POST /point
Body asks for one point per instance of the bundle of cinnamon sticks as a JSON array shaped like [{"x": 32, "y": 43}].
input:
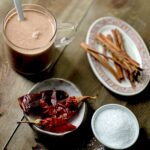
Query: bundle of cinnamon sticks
[{"x": 124, "y": 64}]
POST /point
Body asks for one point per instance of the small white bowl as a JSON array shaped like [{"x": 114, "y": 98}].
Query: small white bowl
[
  {"x": 108, "y": 120},
  {"x": 72, "y": 90}
]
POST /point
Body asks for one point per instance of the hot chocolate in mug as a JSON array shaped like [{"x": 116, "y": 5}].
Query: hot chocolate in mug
[{"x": 29, "y": 41}]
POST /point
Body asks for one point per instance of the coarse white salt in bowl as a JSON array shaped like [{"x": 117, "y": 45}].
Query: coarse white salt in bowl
[{"x": 115, "y": 126}]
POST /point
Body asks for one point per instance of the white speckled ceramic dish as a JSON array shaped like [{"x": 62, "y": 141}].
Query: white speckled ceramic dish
[
  {"x": 71, "y": 89},
  {"x": 134, "y": 46}
]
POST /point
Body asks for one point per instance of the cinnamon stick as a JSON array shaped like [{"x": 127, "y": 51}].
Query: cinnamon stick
[
  {"x": 116, "y": 51},
  {"x": 100, "y": 59},
  {"x": 125, "y": 61},
  {"x": 119, "y": 39},
  {"x": 119, "y": 42},
  {"x": 116, "y": 41},
  {"x": 123, "y": 53},
  {"x": 104, "y": 56},
  {"x": 118, "y": 68}
]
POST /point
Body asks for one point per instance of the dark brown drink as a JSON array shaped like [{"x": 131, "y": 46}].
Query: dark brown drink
[{"x": 29, "y": 41}]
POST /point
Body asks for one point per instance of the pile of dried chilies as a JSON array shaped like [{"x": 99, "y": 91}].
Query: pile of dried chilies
[
  {"x": 115, "y": 45},
  {"x": 53, "y": 115}
]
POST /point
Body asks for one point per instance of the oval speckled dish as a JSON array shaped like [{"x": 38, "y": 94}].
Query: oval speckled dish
[
  {"x": 71, "y": 89},
  {"x": 134, "y": 46}
]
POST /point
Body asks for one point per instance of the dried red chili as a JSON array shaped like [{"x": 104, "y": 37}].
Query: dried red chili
[
  {"x": 30, "y": 102},
  {"x": 54, "y": 114},
  {"x": 56, "y": 125},
  {"x": 60, "y": 110},
  {"x": 62, "y": 128}
]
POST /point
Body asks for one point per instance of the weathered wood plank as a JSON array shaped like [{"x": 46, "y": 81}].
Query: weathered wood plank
[
  {"x": 13, "y": 85},
  {"x": 73, "y": 65}
]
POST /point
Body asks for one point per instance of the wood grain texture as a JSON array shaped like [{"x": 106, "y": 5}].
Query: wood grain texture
[
  {"x": 73, "y": 65},
  {"x": 13, "y": 85}
]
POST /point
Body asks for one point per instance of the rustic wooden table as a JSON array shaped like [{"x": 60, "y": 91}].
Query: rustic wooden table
[{"x": 71, "y": 63}]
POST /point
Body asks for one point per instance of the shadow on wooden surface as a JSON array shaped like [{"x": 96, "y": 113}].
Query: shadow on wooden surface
[
  {"x": 141, "y": 97},
  {"x": 143, "y": 143}
]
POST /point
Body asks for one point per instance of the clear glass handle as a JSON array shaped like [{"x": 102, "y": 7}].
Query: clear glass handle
[{"x": 65, "y": 34}]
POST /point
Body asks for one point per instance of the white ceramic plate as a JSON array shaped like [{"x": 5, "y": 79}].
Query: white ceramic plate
[
  {"x": 134, "y": 46},
  {"x": 67, "y": 86}
]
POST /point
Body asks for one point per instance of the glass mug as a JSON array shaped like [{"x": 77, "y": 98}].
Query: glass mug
[{"x": 29, "y": 60}]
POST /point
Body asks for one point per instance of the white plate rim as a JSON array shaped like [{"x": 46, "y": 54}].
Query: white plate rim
[
  {"x": 83, "y": 106},
  {"x": 125, "y": 27}
]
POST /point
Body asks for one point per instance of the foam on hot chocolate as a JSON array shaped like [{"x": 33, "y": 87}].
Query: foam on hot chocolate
[{"x": 35, "y": 31}]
